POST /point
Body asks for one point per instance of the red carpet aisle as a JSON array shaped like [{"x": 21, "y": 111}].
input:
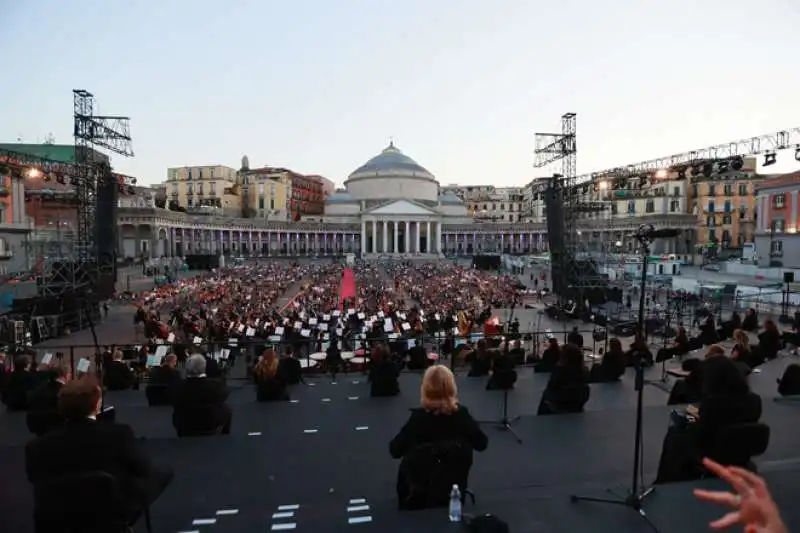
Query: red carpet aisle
[{"x": 348, "y": 287}]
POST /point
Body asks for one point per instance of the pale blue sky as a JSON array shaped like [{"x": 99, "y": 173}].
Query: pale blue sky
[{"x": 462, "y": 85}]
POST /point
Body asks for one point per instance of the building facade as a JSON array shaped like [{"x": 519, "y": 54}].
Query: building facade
[
  {"x": 212, "y": 186},
  {"x": 266, "y": 192},
  {"x": 390, "y": 205},
  {"x": 307, "y": 196},
  {"x": 487, "y": 203},
  {"x": 776, "y": 238}
]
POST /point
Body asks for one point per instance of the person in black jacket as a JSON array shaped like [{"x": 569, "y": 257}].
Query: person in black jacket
[
  {"x": 289, "y": 367},
  {"x": 480, "y": 361},
  {"x": 550, "y": 356},
  {"x": 568, "y": 387},
  {"x": 43, "y": 415},
  {"x": 383, "y": 373},
  {"x": 86, "y": 445},
  {"x": 611, "y": 366},
  {"x": 270, "y": 384},
  {"x": 439, "y": 422},
  {"x": 769, "y": 340},
  {"x": 199, "y": 405},
  {"x": 575, "y": 337},
  {"x": 117, "y": 375},
  {"x": 19, "y": 383},
  {"x": 164, "y": 381}
]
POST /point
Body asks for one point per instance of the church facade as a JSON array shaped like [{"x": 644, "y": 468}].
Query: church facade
[{"x": 390, "y": 205}]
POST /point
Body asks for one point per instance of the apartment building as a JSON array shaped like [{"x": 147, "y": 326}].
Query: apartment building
[
  {"x": 266, "y": 193},
  {"x": 487, "y": 203},
  {"x": 211, "y": 187},
  {"x": 776, "y": 238}
]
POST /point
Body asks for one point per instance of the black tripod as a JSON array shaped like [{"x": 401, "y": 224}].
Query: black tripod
[
  {"x": 637, "y": 495},
  {"x": 504, "y": 424}
]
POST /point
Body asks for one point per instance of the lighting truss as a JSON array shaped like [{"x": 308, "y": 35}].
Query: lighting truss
[
  {"x": 767, "y": 144},
  {"x": 91, "y": 131}
]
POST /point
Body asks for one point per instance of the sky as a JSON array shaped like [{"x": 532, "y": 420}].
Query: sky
[{"x": 320, "y": 86}]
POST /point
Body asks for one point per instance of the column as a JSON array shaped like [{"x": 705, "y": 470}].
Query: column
[
  {"x": 395, "y": 224},
  {"x": 408, "y": 236},
  {"x": 419, "y": 227},
  {"x": 374, "y": 236},
  {"x": 439, "y": 237},
  {"x": 428, "y": 239},
  {"x": 363, "y": 236},
  {"x": 385, "y": 243},
  {"x": 762, "y": 213}
]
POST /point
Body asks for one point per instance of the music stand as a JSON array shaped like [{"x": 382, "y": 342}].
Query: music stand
[{"x": 637, "y": 495}]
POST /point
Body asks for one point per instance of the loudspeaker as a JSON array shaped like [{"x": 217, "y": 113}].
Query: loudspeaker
[
  {"x": 554, "y": 211},
  {"x": 106, "y": 233},
  {"x": 788, "y": 277}
]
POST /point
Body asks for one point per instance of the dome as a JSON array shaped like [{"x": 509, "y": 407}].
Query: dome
[
  {"x": 391, "y": 161},
  {"x": 449, "y": 198},
  {"x": 341, "y": 197}
]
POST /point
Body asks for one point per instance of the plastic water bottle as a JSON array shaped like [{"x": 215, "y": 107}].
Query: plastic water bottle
[{"x": 455, "y": 505}]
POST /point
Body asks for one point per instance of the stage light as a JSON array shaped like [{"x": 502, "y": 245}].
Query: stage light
[
  {"x": 770, "y": 159},
  {"x": 681, "y": 173},
  {"x": 708, "y": 169},
  {"x": 796, "y": 154},
  {"x": 33, "y": 173},
  {"x": 661, "y": 173},
  {"x": 602, "y": 185},
  {"x": 737, "y": 163}
]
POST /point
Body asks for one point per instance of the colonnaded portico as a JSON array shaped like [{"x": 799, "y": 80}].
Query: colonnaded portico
[{"x": 387, "y": 236}]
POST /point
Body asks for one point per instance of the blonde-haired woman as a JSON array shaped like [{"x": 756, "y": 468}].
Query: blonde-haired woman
[
  {"x": 270, "y": 384},
  {"x": 441, "y": 417}
]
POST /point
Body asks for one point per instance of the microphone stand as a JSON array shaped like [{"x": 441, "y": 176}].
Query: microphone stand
[
  {"x": 637, "y": 494},
  {"x": 99, "y": 366}
]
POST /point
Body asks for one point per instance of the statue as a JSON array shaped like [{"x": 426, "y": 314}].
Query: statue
[{"x": 245, "y": 163}]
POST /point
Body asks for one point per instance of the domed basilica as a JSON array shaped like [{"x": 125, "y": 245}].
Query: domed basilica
[{"x": 399, "y": 205}]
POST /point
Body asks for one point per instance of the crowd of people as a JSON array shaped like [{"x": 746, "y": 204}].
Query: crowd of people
[{"x": 195, "y": 328}]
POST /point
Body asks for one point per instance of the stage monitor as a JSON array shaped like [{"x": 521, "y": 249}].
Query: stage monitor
[{"x": 486, "y": 262}]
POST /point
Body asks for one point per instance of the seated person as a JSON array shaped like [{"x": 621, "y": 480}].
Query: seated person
[
  {"x": 43, "y": 414},
  {"x": 383, "y": 373},
  {"x": 769, "y": 340},
  {"x": 166, "y": 376},
  {"x": 418, "y": 358},
  {"x": 503, "y": 376},
  {"x": 726, "y": 401},
  {"x": 290, "y": 368},
  {"x": 575, "y": 337},
  {"x": 481, "y": 361},
  {"x": 708, "y": 331},
  {"x": 19, "y": 383},
  {"x": 117, "y": 375},
  {"x": 690, "y": 388},
  {"x": 270, "y": 384},
  {"x": 87, "y": 445},
  {"x": 550, "y": 357},
  {"x": 745, "y": 357},
  {"x": 750, "y": 322},
  {"x": 213, "y": 370},
  {"x": 612, "y": 365},
  {"x": 199, "y": 403},
  {"x": 333, "y": 357},
  {"x": 789, "y": 383},
  {"x": 440, "y": 420},
  {"x": 680, "y": 346},
  {"x": 640, "y": 351},
  {"x": 567, "y": 389}
]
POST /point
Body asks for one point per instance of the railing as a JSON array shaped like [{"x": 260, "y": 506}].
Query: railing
[{"x": 311, "y": 354}]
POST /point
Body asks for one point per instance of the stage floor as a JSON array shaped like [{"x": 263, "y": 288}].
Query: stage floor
[{"x": 322, "y": 462}]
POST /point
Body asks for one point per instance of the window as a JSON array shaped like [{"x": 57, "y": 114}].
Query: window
[
  {"x": 727, "y": 206},
  {"x": 776, "y": 248},
  {"x": 261, "y": 202},
  {"x": 199, "y": 173},
  {"x": 649, "y": 206},
  {"x": 711, "y": 206},
  {"x": 213, "y": 186},
  {"x": 712, "y": 190},
  {"x": 272, "y": 204},
  {"x": 726, "y": 219},
  {"x": 261, "y": 189},
  {"x": 676, "y": 191},
  {"x": 502, "y": 207},
  {"x": 742, "y": 211},
  {"x": 710, "y": 221},
  {"x": 728, "y": 189},
  {"x": 694, "y": 191},
  {"x": 674, "y": 206},
  {"x": 614, "y": 209},
  {"x": 740, "y": 240},
  {"x": 778, "y": 224},
  {"x": 712, "y": 235},
  {"x": 779, "y": 201},
  {"x": 742, "y": 189},
  {"x": 726, "y": 237}
]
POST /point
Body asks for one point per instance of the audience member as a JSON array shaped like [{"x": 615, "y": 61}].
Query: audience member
[
  {"x": 86, "y": 445},
  {"x": 164, "y": 381},
  {"x": 480, "y": 361},
  {"x": 270, "y": 384},
  {"x": 289, "y": 367},
  {"x": 199, "y": 407},
  {"x": 567, "y": 389},
  {"x": 43, "y": 414},
  {"x": 118, "y": 375},
  {"x": 550, "y": 357},
  {"x": 611, "y": 366},
  {"x": 19, "y": 383},
  {"x": 769, "y": 340},
  {"x": 383, "y": 373},
  {"x": 441, "y": 423}
]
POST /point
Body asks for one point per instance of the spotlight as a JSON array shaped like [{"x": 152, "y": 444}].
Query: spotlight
[
  {"x": 796, "y": 155},
  {"x": 33, "y": 173},
  {"x": 770, "y": 158},
  {"x": 722, "y": 167},
  {"x": 737, "y": 163},
  {"x": 661, "y": 173},
  {"x": 708, "y": 169},
  {"x": 681, "y": 172}
]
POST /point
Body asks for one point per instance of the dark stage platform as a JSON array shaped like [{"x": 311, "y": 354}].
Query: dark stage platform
[{"x": 321, "y": 463}]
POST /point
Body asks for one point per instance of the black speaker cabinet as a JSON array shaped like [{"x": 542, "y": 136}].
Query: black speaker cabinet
[{"x": 788, "y": 277}]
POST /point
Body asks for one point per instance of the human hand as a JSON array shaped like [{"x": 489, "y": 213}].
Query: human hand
[{"x": 753, "y": 505}]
